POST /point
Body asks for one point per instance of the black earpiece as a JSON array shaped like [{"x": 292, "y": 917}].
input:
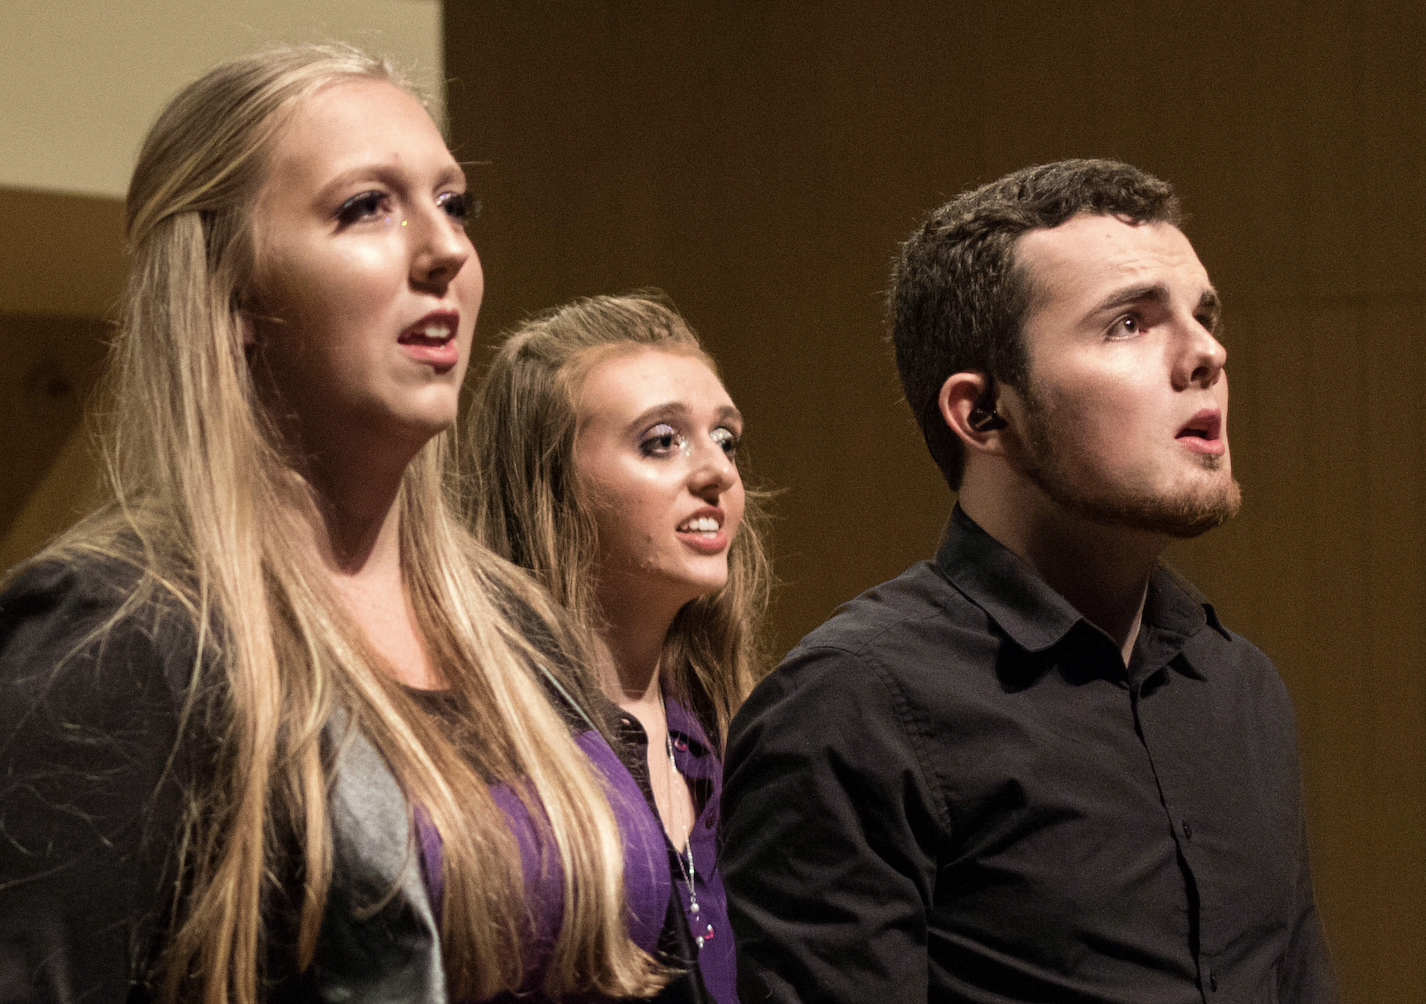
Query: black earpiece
[{"x": 983, "y": 419}]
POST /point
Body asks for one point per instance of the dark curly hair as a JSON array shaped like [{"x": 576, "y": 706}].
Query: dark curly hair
[{"x": 958, "y": 297}]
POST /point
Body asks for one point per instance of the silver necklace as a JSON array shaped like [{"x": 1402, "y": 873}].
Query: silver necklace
[{"x": 685, "y": 857}]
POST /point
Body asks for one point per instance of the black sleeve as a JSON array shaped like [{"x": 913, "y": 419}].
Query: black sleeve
[
  {"x": 89, "y": 792},
  {"x": 829, "y": 838},
  {"x": 1306, "y": 975}
]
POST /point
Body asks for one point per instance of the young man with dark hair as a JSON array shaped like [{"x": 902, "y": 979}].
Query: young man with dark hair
[{"x": 1037, "y": 768}]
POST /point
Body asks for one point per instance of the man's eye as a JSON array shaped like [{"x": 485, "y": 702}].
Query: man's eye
[
  {"x": 366, "y": 206},
  {"x": 1126, "y": 326}
]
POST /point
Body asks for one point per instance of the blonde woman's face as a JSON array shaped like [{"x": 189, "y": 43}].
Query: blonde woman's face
[
  {"x": 366, "y": 285},
  {"x": 656, "y": 457}
]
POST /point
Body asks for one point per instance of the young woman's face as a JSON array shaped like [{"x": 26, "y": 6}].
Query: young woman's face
[
  {"x": 366, "y": 286},
  {"x": 656, "y": 457}
]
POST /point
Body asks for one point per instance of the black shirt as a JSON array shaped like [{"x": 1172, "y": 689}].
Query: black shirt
[{"x": 954, "y": 791}]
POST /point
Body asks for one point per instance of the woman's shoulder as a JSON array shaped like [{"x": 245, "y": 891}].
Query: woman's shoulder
[
  {"x": 93, "y": 799},
  {"x": 91, "y": 618}
]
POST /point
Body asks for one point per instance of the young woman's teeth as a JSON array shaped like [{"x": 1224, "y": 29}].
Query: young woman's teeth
[
  {"x": 431, "y": 334},
  {"x": 702, "y": 524}
]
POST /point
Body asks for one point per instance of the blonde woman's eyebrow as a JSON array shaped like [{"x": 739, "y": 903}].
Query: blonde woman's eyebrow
[{"x": 388, "y": 174}]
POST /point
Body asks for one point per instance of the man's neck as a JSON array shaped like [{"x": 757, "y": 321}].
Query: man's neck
[{"x": 1103, "y": 571}]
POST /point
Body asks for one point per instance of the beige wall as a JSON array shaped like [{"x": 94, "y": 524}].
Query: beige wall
[
  {"x": 81, "y": 80},
  {"x": 761, "y": 160}
]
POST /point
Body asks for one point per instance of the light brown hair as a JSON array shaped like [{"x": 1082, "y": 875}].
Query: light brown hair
[{"x": 527, "y": 504}]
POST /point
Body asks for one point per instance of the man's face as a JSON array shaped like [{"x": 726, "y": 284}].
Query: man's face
[{"x": 1126, "y": 416}]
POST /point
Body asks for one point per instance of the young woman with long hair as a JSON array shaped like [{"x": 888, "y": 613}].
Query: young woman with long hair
[
  {"x": 273, "y": 724},
  {"x": 603, "y": 458}
]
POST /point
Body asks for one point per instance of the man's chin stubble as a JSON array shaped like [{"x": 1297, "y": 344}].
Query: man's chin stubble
[{"x": 1184, "y": 515}]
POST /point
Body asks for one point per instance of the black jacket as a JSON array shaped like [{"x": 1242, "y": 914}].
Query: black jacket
[{"x": 93, "y": 777}]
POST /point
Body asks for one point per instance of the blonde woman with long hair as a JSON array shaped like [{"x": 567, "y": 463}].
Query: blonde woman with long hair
[
  {"x": 603, "y": 449},
  {"x": 272, "y": 723}
]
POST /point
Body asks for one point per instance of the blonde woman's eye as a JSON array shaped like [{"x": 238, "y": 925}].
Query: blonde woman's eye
[
  {"x": 366, "y": 206},
  {"x": 458, "y": 206},
  {"x": 661, "y": 440},
  {"x": 727, "y": 440}
]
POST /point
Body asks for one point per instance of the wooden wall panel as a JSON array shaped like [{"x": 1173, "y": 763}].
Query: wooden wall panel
[
  {"x": 761, "y": 160},
  {"x": 60, "y": 254},
  {"x": 50, "y": 365},
  {"x": 62, "y": 258}
]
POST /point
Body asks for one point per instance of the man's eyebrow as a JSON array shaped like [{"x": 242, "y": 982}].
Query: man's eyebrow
[{"x": 1156, "y": 292}]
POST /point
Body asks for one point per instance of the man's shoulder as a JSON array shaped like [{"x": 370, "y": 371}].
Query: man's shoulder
[{"x": 906, "y": 631}]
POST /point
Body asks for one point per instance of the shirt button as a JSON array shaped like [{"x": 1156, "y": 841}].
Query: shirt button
[
  {"x": 1212, "y": 981},
  {"x": 1188, "y": 835}
]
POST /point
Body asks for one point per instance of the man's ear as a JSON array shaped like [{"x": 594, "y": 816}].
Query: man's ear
[{"x": 968, "y": 406}]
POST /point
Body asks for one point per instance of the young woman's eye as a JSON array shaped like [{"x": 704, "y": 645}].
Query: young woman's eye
[
  {"x": 458, "y": 206},
  {"x": 660, "y": 441},
  {"x": 366, "y": 206},
  {"x": 727, "y": 440}
]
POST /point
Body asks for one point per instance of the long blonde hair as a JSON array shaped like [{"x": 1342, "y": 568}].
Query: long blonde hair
[
  {"x": 204, "y": 507},
  {"x": 527, "y": 504}
]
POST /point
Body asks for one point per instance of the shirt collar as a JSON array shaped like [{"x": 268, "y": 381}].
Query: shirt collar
[
  {"x": 1004, "y": 585},
  {"x": 683, "y": 725},
  {"x": 1034, "y": 615}
]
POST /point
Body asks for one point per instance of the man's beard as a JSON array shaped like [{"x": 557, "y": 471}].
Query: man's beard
[{"x": 1053, "y": 467}]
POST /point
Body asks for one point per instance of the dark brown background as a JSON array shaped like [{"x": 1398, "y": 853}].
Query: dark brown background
[{"x": 760, "y": 160}]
